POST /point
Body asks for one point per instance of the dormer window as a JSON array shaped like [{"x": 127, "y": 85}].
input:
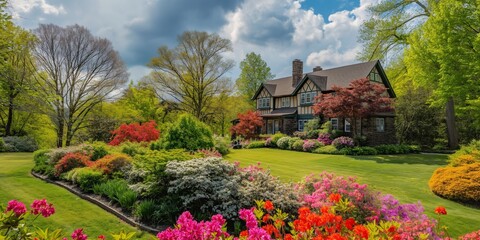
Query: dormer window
[
  {"x": 264, "y": 103},
  {"x": 307, "y": 97},
  {"x": 286, "y": 102}
]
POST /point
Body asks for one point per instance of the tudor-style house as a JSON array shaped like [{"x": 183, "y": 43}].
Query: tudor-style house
[{"x": 286, "y": 103}]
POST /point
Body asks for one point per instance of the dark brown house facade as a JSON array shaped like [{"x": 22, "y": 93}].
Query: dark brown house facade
[{"x": 286, "y": 103}]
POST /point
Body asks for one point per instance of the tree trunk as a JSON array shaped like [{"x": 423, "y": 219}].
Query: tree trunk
[
  {"x": 60, "y": 135},
  {"x": 451, "y": 126},
  {"x": 8, "y": 126},
  {"x": 69, "y": 135}
]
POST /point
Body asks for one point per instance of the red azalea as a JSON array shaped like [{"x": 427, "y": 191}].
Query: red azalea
[
  {"x": 361, "y": 231},
  {"x": 441, "y": 210},
  {"x": 244, "y": 233},
  {"x": 266, "y": 218},
  {"x": 350, "y": 223},
  {"x": 269, "y": 205},
  {"x": 288, "y": 237},
  {"x": 335, "y": 197},
  {"x": 392, "y": 229}
]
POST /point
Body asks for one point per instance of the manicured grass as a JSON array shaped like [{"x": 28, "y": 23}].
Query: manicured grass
[
  {"x": 404, "y": 176},
  {"x": 71, "y": 211}
]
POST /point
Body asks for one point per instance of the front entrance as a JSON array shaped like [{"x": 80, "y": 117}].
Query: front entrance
[{"x": 273, "y": 126}]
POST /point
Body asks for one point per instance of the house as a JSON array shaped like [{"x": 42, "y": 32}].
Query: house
[{"x": 286, "y": 103}]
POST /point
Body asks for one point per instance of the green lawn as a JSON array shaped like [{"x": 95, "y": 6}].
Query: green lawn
[
  {"x": 71, "y": 211},
  {"x": 404, "y": 176}
]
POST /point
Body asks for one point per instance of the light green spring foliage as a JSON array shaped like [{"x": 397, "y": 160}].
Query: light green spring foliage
[
  {"x": 312, "y": 124},
  {"x": 254, "y": 72},
  {"x": 189, "y": 133}
]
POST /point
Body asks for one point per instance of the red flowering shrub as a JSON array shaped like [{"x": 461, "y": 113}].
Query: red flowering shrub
[
  {"x": 112, "y": 163},
  {"x": 248, "y": 124},
  {"x": 135, "y": 133},
  {"x": 71, "y": 161}
]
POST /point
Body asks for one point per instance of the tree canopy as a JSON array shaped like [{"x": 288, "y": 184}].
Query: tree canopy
[{"x": 254, "y": 72}]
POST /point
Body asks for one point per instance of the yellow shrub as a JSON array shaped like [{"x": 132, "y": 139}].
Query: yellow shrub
[
  {"x": 457, "y": 183},
  {"x": 464, "y": 159},
  {"x": 112, "y": 163}
]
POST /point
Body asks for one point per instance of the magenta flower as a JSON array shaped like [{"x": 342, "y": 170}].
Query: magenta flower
[
  {"x": 17, "y": 207},
  {"x": 79, "y": 235},
  {"x": 42, "y": 207},
  {"x": 249, "y": 218}
]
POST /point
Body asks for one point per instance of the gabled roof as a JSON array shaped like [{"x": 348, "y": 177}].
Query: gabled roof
[{"x": 325, "y": 79}]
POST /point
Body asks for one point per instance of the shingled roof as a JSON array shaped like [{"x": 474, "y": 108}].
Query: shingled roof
[{"x": 324, "y": 79}]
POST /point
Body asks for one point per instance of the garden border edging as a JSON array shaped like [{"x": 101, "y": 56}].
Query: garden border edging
[{"x": 101, "y": 204}]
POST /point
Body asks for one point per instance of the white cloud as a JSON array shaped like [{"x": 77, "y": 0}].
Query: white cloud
[{"x": 26, "y": 6}]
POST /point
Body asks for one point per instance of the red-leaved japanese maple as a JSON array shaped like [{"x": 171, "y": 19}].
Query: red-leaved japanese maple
[
  {"x": 360, "y": 99},
  {"x": 247, "y": 125},
  {"x": 135, "y": 133}
]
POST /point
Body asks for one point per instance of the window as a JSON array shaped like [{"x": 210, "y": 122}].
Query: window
[
  {"x": 264, "y": 103},
  {"x": 380, "y": 124},
  {"x": 286, "y": 102},
  {"x": 301, "y": 124},
  {"x": 307, "y": 97},
  {"x": 374, "y": 76},
  {"x": 347, "y": 125},
  {"x": 334, "y": 122}
]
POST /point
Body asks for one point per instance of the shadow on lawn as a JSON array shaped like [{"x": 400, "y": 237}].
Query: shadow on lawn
[{"x": 407, "y": 159}]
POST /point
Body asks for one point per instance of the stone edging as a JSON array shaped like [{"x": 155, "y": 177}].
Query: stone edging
[{"x": 101, "y": 204}]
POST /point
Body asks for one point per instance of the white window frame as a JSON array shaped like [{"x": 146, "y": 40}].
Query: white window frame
[
  {"x": 286, "y": 102},
  {"x": 307, "y": 97},
  {"x": 380, "y": 124},
  {"x": 264, "y": 103},
  {"x": 302, "y": 98},
  {"x": 347, "y": 126},
  {"x": 334, "y": 125}
]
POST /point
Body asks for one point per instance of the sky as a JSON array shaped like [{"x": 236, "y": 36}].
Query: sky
[{"x": 318, "y": 32}]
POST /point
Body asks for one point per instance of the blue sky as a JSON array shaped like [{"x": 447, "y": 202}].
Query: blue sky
[{"x": 319, "y": 32}]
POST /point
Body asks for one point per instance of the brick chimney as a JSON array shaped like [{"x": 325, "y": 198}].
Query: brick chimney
[
  {"x": 317, "y": 68},
  {"x": 297, "y": 72}
]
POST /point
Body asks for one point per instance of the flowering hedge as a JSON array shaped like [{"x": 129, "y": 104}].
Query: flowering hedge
[{"x": 71, "y": 161}]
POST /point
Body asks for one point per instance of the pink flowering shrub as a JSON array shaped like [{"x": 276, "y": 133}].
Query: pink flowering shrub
[
  {"x": 325, "y": 138},
  {"x": 16, "y": 207},
  {"x": 189, "y": 229},
  {"x": 343, "y": 142},
  {"x": 42, "y": 207},
  {"x": 310, "y": 145},
  {"x": 413, "y": 229},
  {"x": 471, "y": 236},
  {"x": 212, "y": 152}
]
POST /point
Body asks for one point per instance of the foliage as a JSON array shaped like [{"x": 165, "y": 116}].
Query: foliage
[
  {"x": 343, "y": 142},
  {"x": 310, "y": 145},
  {"x": 113, "y": 163},
  {"x": 99, "y": 150},
  {"x": 282, "y": 143},
  {"x": 188, "y": 133},
  {"x": 396, "y": 149},
  {"x": 254, "y": 72},
  {"x": 133, "y": 149},
  {"x": 360, "y": 99},
  {"x": 117, "y": 191},
  {"x": 247, "y": 124},
  {"x": 297, "y": 145},
  {"x": 329, "y": 149},
  {"x": 85, "y": 178},
  {"x": 209, "y": 153},
  {"x": 42, "y": 165},
  {"x": 460, "y": 183},
  {"x": 221, "y": 144},
  {"x": 71, "y": 161},
  {"x": 326, "y": 128},
  {"x": 20, "y": 144},
  {"x": 277, "y": 137},
  {"x": 312, "y": 124},
  {"x": 291, "y": 141},
  {"x": 135, "y": 133},
  {"x": 469, "y": 153},
  {"x": 357, "y": 151},
  {"x": 256, "y": 144},
  {"x": 325, "y": 138},
  {"x": 193, "y": 72},
  {"x": 301, "y": 135},
  {"x": 147, "y": 175},
  {"x": 144, "y": 210}
]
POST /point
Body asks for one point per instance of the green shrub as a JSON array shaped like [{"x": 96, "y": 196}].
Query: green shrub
[
  {"x": 460, "y": 183},
  {"x": 189, "y": 133},
  {"x": 282, "y": 143},
  {"x": 86, "y": 178},
  {"x": 395, "y": 149},
  {"x": 117, "y": 191},
  {"x": 291, "y": 141},
  {"x": 21, "y": 144},
  {"x": 300, "y": 135},
  {"x": 277, "y": 137},
  {"x": 99, "y": 150},
  {"x": 329, "y": 149},
  {"x": 221, "y": 144},
  {"x": 312, "y": 125},
  {"x": 467, "y": 153},
  {"x": 132, "y": 149},
  {"x": 298, "y": 145},
  {"x": 313, "y": 134},
  {"x": 41, "y": 160},
  {"x": 144, "y": 210},
  {"x": 357, "y": 151},
  {"x": 256, "y": 144},
  {"x": 326, "y": 128},
  {"x": 3, "y": 148}
]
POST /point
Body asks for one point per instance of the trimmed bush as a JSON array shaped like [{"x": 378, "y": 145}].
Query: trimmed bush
[
  {"x": 313, "y": 134},
  {"x": 282, "y": 143},
  {"x": 357, "y": 151},
  {"x": 395, "y": 149},
  {"x": 310, "y": 145},
  {"x": 86, "y": 178},
  {"x": 460, "y": 183},
  {"x": 291, "y": 141},
  {"x": 99, "y": 150},
  {"x": 342, "y": 142},
  {"x": 298, "y": 145},
  {"x": 20, "y": 144},
  {"x": 71, "y": 161},
  {"x": 188, "y": 133},
  {"x": 277, "y": 137},
  {"x": 221, "y": 144},
  {"x": 113, "y": 163},
  {"x": 256, "y": 144},
  {"x": 329, "y": 149}
]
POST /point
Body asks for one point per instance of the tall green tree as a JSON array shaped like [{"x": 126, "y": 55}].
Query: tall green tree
[
  {"x": 254, "y": 72},
  {"x": 78, "y": 72},
  {"x": 193, "y": 72}
]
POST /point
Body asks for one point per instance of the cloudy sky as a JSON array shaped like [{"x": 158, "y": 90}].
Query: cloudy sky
[{"x": 319, "y": 32}]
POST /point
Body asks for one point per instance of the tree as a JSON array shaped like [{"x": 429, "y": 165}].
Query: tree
[
  {"x": 188, "y": 133},
  {"x": 247, "y": 124},
  {"x": 193, "y": 72},
  {"x": 16, "y": 74},
  {"x": 135, "y": 133},
  {"x": 142, "y": 99},
  {"x": 360, "y": 99},
  {"x": 254, "y": 72},
  {"x": 78, "y": 71}
]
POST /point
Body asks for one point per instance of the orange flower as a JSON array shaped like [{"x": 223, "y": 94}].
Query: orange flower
[
  {"x": 269, "y": 205},
  {"x": 350, "y": 223},
  {"x": 335, "y": 197},
  {"x": 440, "y": 210},
  {"x": 244, "y": 233},
  {"x": 266, "y": 218},
  {"x": 361, "y": 231},
  {"x": 392, "y": 229},
  {"x": 288, "y": 237}
]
